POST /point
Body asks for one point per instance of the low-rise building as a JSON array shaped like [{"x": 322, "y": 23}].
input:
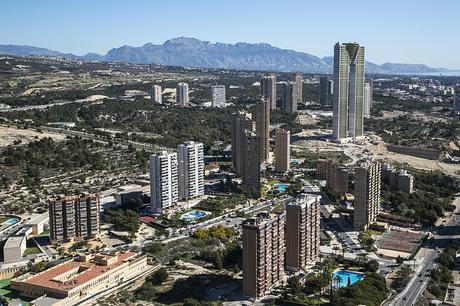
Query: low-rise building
[
  {"x": 14, "y": 248},
  {"x": 39, "y": 223}
]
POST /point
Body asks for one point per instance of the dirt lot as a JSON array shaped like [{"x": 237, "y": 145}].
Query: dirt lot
[{"x": 9, "y": 134}]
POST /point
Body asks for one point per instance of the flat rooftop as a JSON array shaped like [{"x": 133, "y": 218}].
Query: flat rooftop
[
  {"x": 74, "y": 273},
  {"x": 14, "y": 242}
]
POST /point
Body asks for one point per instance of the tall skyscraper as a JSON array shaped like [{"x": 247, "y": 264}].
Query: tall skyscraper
[
  {"x": 164, "y": 185},
  {"x": 263, "y": 253},
  {"x": 367, "y": 194},
  {"x": 218, "y": 95},
  {"x": 367, "y": 99},
  {"x": 348, "y": 98},
  {"x": 290, "y": 97},
  {"x": 298, "y": 80},
  {"x": 74, "y": 217},
  {"x": 156, "y": 95},
  {"x": 250, "y": 156},
  {"x": 302, "y": 232},
  {"x": 263, "y": 128},
  {"x": 282, "y": 150},
  {"x": 457, "y": 99},
  {"x": 191, "y": 170},
  {"x": 268, "y": 89},
  {"x": 182, "y": 94},
  {"x": 325, "y": 91},
  {"x": 240, "y": 123}
]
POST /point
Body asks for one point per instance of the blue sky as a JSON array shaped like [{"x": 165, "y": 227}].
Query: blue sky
[{"x": 408, "y": 31}]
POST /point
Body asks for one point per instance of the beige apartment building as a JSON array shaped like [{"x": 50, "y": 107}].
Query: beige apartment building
[
  {"x": 240, "y": 123},
  {"x": 367, "y": 194},
  {"x": 263, "y": 253},
  {"x": 250, "y": 154},
  {"x": 302, "y": 232},
  {"x": 282, "y": 150},
  {"x": 263, "y": 128},
  {"x": 336, "y": 177}
]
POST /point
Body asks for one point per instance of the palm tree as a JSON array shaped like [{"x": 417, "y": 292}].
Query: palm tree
[{"x": 338, "y": 280}]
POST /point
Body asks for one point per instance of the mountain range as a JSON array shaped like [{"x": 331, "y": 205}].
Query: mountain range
[{"x": 192, "y": 52}]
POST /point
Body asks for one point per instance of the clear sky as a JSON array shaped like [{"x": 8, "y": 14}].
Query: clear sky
[{"x": 404, "y": 31}]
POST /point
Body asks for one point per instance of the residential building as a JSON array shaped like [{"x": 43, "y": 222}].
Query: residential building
[
  {"x": 336, "y": 177},
  {"x": 263, "y": 128},
  {"x": 263, "y": 253},
  {"x": 397, "y": 180},
  {"x": 282, "y": 150},
  {"x": 268, "y": 89},
  {"x": 191, "y": 170},
  {"x": 368, "y": 97},
  {"x": 250, "y": 155},
  {"x": 302, "y": 232},
  {"x": 405, "y": 182},
  {"x": 325, "y": 91},
  {"x": 74, "y": 217},
  {"x": 321, "y": 168},
  {"x": 164, "y": 181},
  {"x": 367, "y": 194},
  {"x": 457, "y": 98},
  {"x": 298, "y": 80},
  {"x": 240, "y": 123},
  {"x": 348, "y": 97},
  {"x": 182, "y": 94},
  {"x": 218, "y": 95},
  {"x": 156, "y": 95},
  {"x": 290, "y": 97},
  {"x": 14, "y": 248},
  {"x": 80, "y": 279}
]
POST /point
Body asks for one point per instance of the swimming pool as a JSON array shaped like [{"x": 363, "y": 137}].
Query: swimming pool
[
  {"x": 194, "y": 215},
  {"x": 11, "y": 221},
  {"x": 344, "y": 278},
  {"x": 281, "y": 187}
]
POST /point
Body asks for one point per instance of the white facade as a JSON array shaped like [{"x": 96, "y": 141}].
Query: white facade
[
  {"x": 182, "y": 94},
  {"x": 367, "y": 99},
  {"x": 163, "y": 181},
  {"x": 218, "y": 95},
  {"x": 156, "y": 95},
  {"x": 14, "y": 248},
  {"x": 191, "y": 170}
]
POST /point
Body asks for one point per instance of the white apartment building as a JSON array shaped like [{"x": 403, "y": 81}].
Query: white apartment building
[
  {"x": 218, "y": 95},
  {"x": 156, "y": 95},
  {"x": 191, "y": 169},
  {"x": 367, "y": 99},
  {"x": 182, "y": 94},
  {"x": 163, "y": 181}
]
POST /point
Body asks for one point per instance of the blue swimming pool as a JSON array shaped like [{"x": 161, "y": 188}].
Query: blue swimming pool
[
  {"x": 341, "y": 279},
  {"x": 194, "y": 215},
  {"x": 11, "y": 221},
  {"x": 281, "y": 187}
]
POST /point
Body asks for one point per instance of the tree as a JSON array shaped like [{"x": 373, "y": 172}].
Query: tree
[
  {"x": 191, "y": 302},
  {"x": 159, "y": 276},
  {"x": 372, "y": 265}
]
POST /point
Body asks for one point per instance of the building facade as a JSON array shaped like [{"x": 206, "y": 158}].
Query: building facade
[
  {"x": 14, "y": 248},
  {"x": 156, "y": 95},
  {"x": 457, "y": 98},
  {"x": 368, "y": 97},
  {"x": 263, "y": 253},
  {"x": 397, "y": 180},
  {"x": 302, "y": 232},
  {"x": 336, "y": 177},
  {"x": 290, "y": 97},
  {"x": 182, "y": 94},
  {"x": 250, "y": 155},
  {"x": 325, "y": 91},
  {"x": 164, "y": 181},
  {"x": 218, "y": 95},
  {"x": 298, "y": 80},
  {"x": 348, "y": 97},
  {"x": 268, "y": 89},
  {"x": 282, "y": 150},
  {"x": 240, "y": 123},
  {"x": 191, "y": 170},
  {"x": 367, "y": 194},
  {"x": 263, "y": 128},
  {"x": 74, "y": 217}
]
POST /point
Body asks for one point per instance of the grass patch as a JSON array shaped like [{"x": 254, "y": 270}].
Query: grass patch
[{"x": 32, "y": 250}]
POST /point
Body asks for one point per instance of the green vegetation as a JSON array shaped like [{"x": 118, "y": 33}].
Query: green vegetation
[
  {"x": 370, "y": 291},
  {"x": 218, "y": 205},
  {"x": 366, "y": 240},
  {"x": 403, "y": 277},
  {"x": 442, "y": 275},
  {"x": 122, "y": 220}
]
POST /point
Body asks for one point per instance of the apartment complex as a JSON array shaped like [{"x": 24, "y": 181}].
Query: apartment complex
[
  {"x": 348, "y": 98},
  {"x": 240, "y": 123},
  {"x": 302, "y": 232},
  {"x": 74, "y": 217},
  {"x": 282, "y": 150},
  {"x": 80, "y": 279},
  {"x": 336, "y": 176},
  {"x": 218, "y": 95},
  {"x": 325, "y": 91},
  {"x": 298, "y": 80},
  {"x": 164, "y": 181},
  {"x": 191, "y": 170},
  {"x": 290, "y": 97},
  {"x": 250, "y": 155},
  {"x": 156, "y": 95},
  {"x": 368, "y": 97},
  {"x": 263, "y": 253},
  {"x": 397, "y": 180},
  {"x": 263, "y": 128},
  {"x": 268, "y": 89},
  {"x": 367, "y": 194},
  {"x": 182, "y": 94}
]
